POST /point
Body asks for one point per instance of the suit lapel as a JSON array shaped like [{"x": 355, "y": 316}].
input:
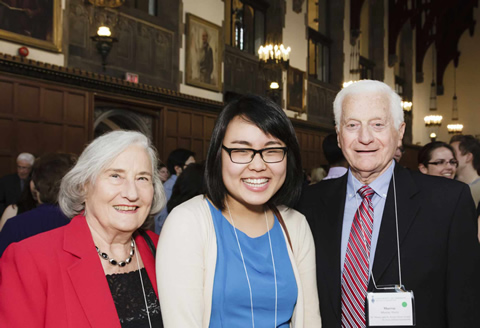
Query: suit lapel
[
  {"x": 87, "y": 276},
  {"x": 407, "y": 207},
  {"x": 334, "y": 205}
]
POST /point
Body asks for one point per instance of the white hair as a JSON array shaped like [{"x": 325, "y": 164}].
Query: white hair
[
  {"x": 370, "y": 87},
  {"x": 95, "y": 159},
  {"x": 26, "y": 157}
]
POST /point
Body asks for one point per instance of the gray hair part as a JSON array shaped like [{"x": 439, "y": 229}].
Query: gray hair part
[
  {"x": 26, "y": 157},
  {"x": 95, "y": 159}
]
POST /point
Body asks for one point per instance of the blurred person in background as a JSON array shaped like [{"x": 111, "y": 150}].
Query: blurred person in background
[
  {"x": 28, "y": 201},
  {"x": 47, "y": 174},
  {"x": 163, "y": 173},
  {"x": 188, "y": 185},
  {"x": 177, "y": 161},
  {"x": 437, "y": 158},
  {"x": 12, "y": 185},
  {"x": 317, "y": 175},
  {"x": 337, "y": 162}
]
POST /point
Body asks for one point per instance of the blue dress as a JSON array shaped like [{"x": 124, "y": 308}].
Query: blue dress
[{"x": 231, "y": 305}]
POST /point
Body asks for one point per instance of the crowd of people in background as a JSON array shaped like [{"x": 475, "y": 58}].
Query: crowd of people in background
[{"x": 246, "y": 237}]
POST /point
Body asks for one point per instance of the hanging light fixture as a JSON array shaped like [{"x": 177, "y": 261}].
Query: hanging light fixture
[
  {"x": 433, "y": 120},
  {"x": 354, "y": 62},
  {"x": 455, "y": 127},
  {"x": 433, "y": 86}
]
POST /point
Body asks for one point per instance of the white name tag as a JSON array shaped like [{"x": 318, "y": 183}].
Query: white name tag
[{"x": 390, "y": 309}]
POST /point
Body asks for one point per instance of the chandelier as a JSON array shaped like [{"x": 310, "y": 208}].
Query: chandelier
[
  {"x": 276, "y": 55},
  {"x": 455, "y": 128},
  {"x": 433, "y": 120},
  {"x": 406, "y": 105}
]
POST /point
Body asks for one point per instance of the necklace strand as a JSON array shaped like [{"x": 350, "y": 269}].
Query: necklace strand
[
  {"x": 245, "y": 267},
  {"x": 112, "y": 261},
  {"x": 143, "y": 290}
]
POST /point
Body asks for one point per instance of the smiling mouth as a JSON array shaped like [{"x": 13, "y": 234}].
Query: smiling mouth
[
  {"x": 256, "y": 182},
  {"x": 125, "y": 208}
]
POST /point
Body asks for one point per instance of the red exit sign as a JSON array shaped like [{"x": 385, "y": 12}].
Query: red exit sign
[{"x": 131, "y": 77}]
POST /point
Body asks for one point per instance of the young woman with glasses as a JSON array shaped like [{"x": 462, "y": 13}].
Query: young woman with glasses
[
  {"x": 437, "y": 158},
  {"x": 239, "y": 256}
]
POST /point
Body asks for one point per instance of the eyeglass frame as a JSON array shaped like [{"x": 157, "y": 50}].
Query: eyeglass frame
[
  {"x": 255, "y": 152},
  {"x": 444, "y": 162}
]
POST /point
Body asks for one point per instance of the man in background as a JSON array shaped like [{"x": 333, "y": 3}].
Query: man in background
[
  {"x": 333, "y": 154},
  {"x": 177, "y": 161},
  {"x": 11, "y": 185},
  {"x": 467, "y": 152}
]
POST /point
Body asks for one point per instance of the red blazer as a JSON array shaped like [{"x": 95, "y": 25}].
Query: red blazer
[{"x": 56, "y": 279}]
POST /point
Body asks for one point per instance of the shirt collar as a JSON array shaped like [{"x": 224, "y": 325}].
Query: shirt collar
[{"x": 379, "y": 185}]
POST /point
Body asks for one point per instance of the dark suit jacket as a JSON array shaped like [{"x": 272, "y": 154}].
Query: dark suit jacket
[
  {"x": 440, "y": 254},
  {"x": 43, "y": 218},
  {"x": 55, "y": 279},
  {"x": 9, "y": 191}
]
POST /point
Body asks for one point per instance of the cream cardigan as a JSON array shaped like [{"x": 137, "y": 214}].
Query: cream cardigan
[{"x": 186, "y": 259}]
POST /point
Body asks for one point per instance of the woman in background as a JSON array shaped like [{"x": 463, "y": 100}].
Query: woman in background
[{"x": 437, "y": 158}]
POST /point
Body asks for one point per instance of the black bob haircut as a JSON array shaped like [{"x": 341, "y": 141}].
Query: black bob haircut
[{"x": 271, "y": 119}]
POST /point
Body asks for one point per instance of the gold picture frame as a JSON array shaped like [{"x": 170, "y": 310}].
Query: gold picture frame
[
  {"x": 203, "y": 47},
  {"x": 36, "y": 26},
  {"x": 295, "y": 90}
]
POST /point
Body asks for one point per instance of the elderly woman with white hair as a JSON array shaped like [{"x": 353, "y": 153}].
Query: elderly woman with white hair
[{"x": 97, "y": 271}]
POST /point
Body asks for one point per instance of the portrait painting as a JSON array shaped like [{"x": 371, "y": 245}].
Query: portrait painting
[
  {"x": 35, "y": 23},
  {"x": 295, "y": 89},
  {"x": 203, "y": 54}
]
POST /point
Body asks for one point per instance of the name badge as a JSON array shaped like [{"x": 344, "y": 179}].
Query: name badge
[{"x": 390, "y": 309}]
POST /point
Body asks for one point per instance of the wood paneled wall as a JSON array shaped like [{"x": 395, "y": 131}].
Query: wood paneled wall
[
  {"x": 187, "y": 129},
  {"x": 40, "y": 118}
]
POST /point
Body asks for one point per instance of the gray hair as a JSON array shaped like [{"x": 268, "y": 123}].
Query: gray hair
[
  {"x": 95, "y": 159},
  {"x": 26, "y": 157},
  {"x": 370, "y": 87}
]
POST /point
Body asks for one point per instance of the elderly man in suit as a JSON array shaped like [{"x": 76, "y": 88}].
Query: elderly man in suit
[
  {"x": 381, "y": 224},
  {"x": 11, "y": 185}
]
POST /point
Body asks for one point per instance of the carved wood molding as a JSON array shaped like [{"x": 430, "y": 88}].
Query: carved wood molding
[{"x": 98, "y": 82}]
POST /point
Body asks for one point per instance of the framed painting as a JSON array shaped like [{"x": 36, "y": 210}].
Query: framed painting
[
  {"x": 295, "y": 90},
  {"x": 203, "y": 65},
  {"x": 32, "y": 23}
]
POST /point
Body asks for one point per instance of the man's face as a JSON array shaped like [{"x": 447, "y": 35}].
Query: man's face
[
  {"x": 462, "y": 159},
  {"x": 204, "y": 37},
  {"x": 23, "y": 169},
  {"x": 367, "y": 135}
]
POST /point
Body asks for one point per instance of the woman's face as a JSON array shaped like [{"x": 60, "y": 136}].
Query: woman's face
[
  {"x": 122, "y": 195},
  {"x": 251, "y": 184},
  {"x": 440, "y": 155},
  {"x": 163, "y": 172}
]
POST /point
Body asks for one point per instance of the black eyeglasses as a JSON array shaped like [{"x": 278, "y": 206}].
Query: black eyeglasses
[
  {"x": 443, "y": 162},
  {"x": 246, "y": 155}
]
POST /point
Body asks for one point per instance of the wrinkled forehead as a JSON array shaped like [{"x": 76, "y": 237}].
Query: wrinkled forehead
[{"x": 366, "y": 106}]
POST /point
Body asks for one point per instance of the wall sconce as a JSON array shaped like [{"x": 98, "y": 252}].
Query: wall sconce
[
  {"x": 433, "y": 137},
  {"x": 104, "y": 42}
]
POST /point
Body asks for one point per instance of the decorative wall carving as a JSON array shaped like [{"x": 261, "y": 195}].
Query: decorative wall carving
[
  {"x": 320, "y": 103},
  {"x": 144, "y": 48}
]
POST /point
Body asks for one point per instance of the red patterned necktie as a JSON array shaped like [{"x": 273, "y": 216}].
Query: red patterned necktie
[{"x": 355, "y": 270}]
